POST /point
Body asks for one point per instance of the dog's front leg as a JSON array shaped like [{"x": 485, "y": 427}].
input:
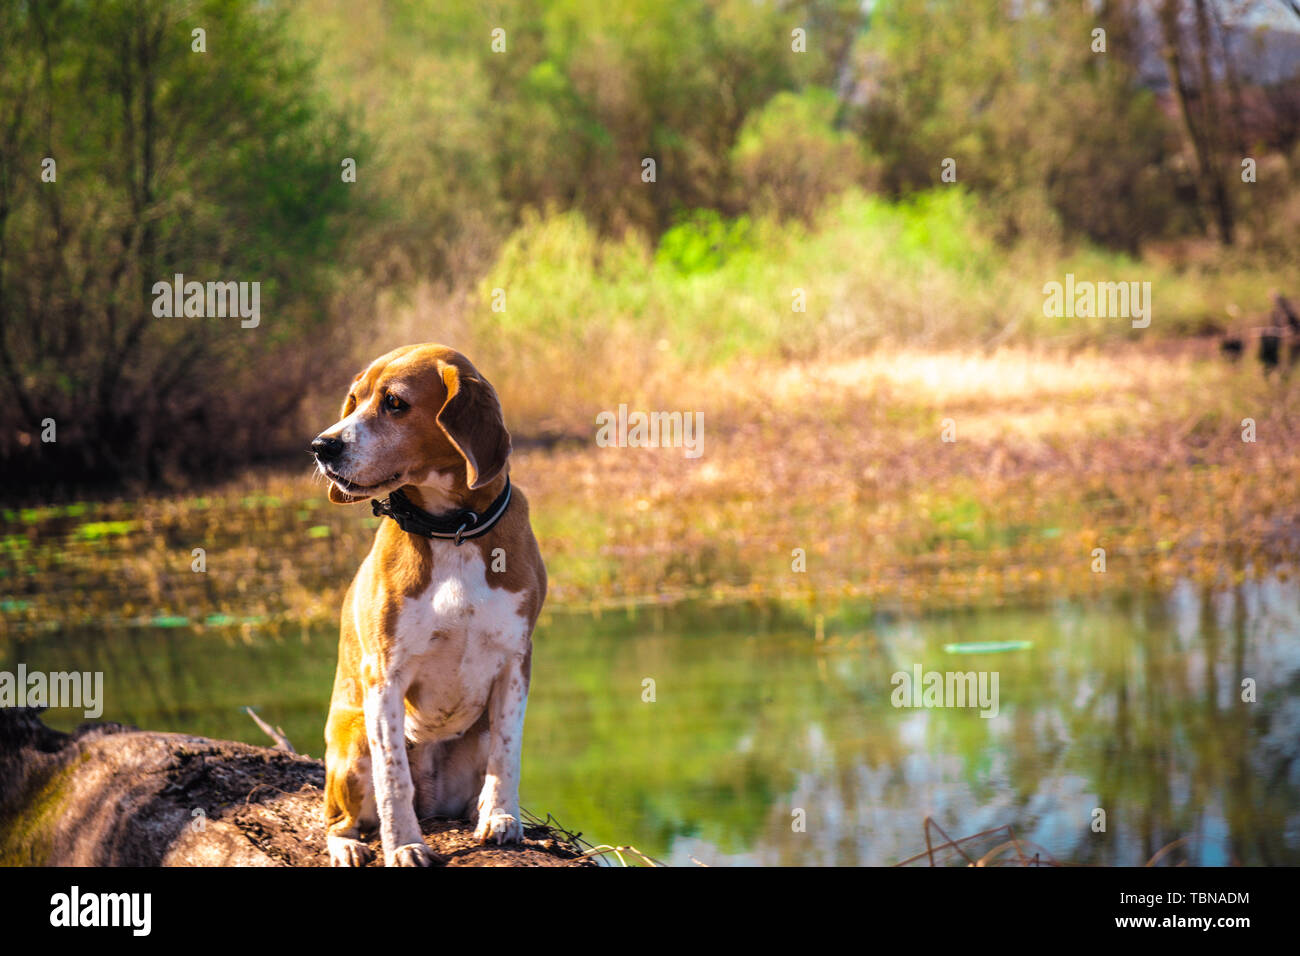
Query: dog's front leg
[
  {"x": 498, "y": 802},
  {"x": 394, "y": 792}
]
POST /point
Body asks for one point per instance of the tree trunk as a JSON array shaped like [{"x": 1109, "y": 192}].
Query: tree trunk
[{"x": 1202, "y": 132}]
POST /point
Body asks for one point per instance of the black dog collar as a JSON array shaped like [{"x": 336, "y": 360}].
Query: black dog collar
[{"x": 454, "y": 526}]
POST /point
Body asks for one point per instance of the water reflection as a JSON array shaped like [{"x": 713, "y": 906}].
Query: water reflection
[{"x": 1134, "y": 707}]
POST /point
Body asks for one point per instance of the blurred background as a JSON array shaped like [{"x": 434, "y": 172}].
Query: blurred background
[{"x": 827, "y": 227}]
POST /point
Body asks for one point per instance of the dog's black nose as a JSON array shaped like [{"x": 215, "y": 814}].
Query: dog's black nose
[{"x": 327, "y": 449}]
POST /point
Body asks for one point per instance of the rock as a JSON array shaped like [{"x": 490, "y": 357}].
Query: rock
[{"x": 110, "y": 795}]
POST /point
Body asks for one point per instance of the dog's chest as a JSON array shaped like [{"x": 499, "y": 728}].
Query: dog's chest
[{"x": 456, "y": 636}]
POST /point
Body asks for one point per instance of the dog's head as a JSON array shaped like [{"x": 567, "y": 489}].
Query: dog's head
[{"x": 419, "y": 415}]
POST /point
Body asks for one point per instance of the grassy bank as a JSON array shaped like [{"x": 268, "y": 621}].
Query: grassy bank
[
  {"x": 1137, "y": 451},
  {"x": 567, "y": 320}
]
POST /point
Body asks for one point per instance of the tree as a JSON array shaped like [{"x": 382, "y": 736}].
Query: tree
[
  {"x": 208, "y": 155},
  {"x": 1195, "y": 88},
  {"x": 1057, "y": 136}
]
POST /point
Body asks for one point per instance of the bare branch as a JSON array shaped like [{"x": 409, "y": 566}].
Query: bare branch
[{"x": 275, "y": 733}]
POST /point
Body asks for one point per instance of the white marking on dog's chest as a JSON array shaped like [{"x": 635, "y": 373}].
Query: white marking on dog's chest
[{"x": 457, "y": 635}]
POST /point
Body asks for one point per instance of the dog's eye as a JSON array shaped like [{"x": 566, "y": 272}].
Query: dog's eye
[{"x": 393, "y": 403}]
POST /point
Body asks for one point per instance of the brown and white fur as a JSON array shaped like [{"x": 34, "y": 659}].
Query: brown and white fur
[{"x": 435, "y": 646}]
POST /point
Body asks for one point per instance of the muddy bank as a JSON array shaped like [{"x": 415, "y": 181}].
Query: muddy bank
[{"x": 111, "y": 795}]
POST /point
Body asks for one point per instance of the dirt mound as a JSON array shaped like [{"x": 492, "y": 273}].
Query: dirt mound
[{"x": 110, "y": 795}]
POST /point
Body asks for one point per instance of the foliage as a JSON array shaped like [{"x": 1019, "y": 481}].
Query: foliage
[
  {"x": 505, "y": 147},
  {"x": 221, "y": 166},
  {"x": 790, "y": 159},
  {"x": 927, "y": 271},
  {"x": 703, "y": 241},
  {"x": 1061, "y": 139}
]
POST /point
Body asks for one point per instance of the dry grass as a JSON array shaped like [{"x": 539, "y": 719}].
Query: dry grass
[
  {"x": 1056, "y": 454},
  {"x": 1000, "y": 846}
]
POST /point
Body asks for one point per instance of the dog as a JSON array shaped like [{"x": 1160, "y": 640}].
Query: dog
[{"x": 435, "y": 642}]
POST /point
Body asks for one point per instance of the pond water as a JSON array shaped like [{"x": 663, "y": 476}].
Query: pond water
[{"x": 766, "y": 743}]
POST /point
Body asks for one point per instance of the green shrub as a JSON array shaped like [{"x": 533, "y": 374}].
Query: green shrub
[{"x": 789, "y": 157}]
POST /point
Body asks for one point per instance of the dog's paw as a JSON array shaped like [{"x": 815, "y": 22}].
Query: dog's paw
[
  {"x": 344, "y": 851},
  {"x": 498, "y": 827},
  {"x": 414, "y": 854}
]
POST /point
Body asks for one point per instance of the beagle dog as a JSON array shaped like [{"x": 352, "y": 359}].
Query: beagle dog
[{"x": 435, "y": 644}]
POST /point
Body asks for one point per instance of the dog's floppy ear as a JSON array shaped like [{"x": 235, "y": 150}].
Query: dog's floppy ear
[
  {"x": 472, "y": 419},
  {"x": 349, "y": 403}
]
